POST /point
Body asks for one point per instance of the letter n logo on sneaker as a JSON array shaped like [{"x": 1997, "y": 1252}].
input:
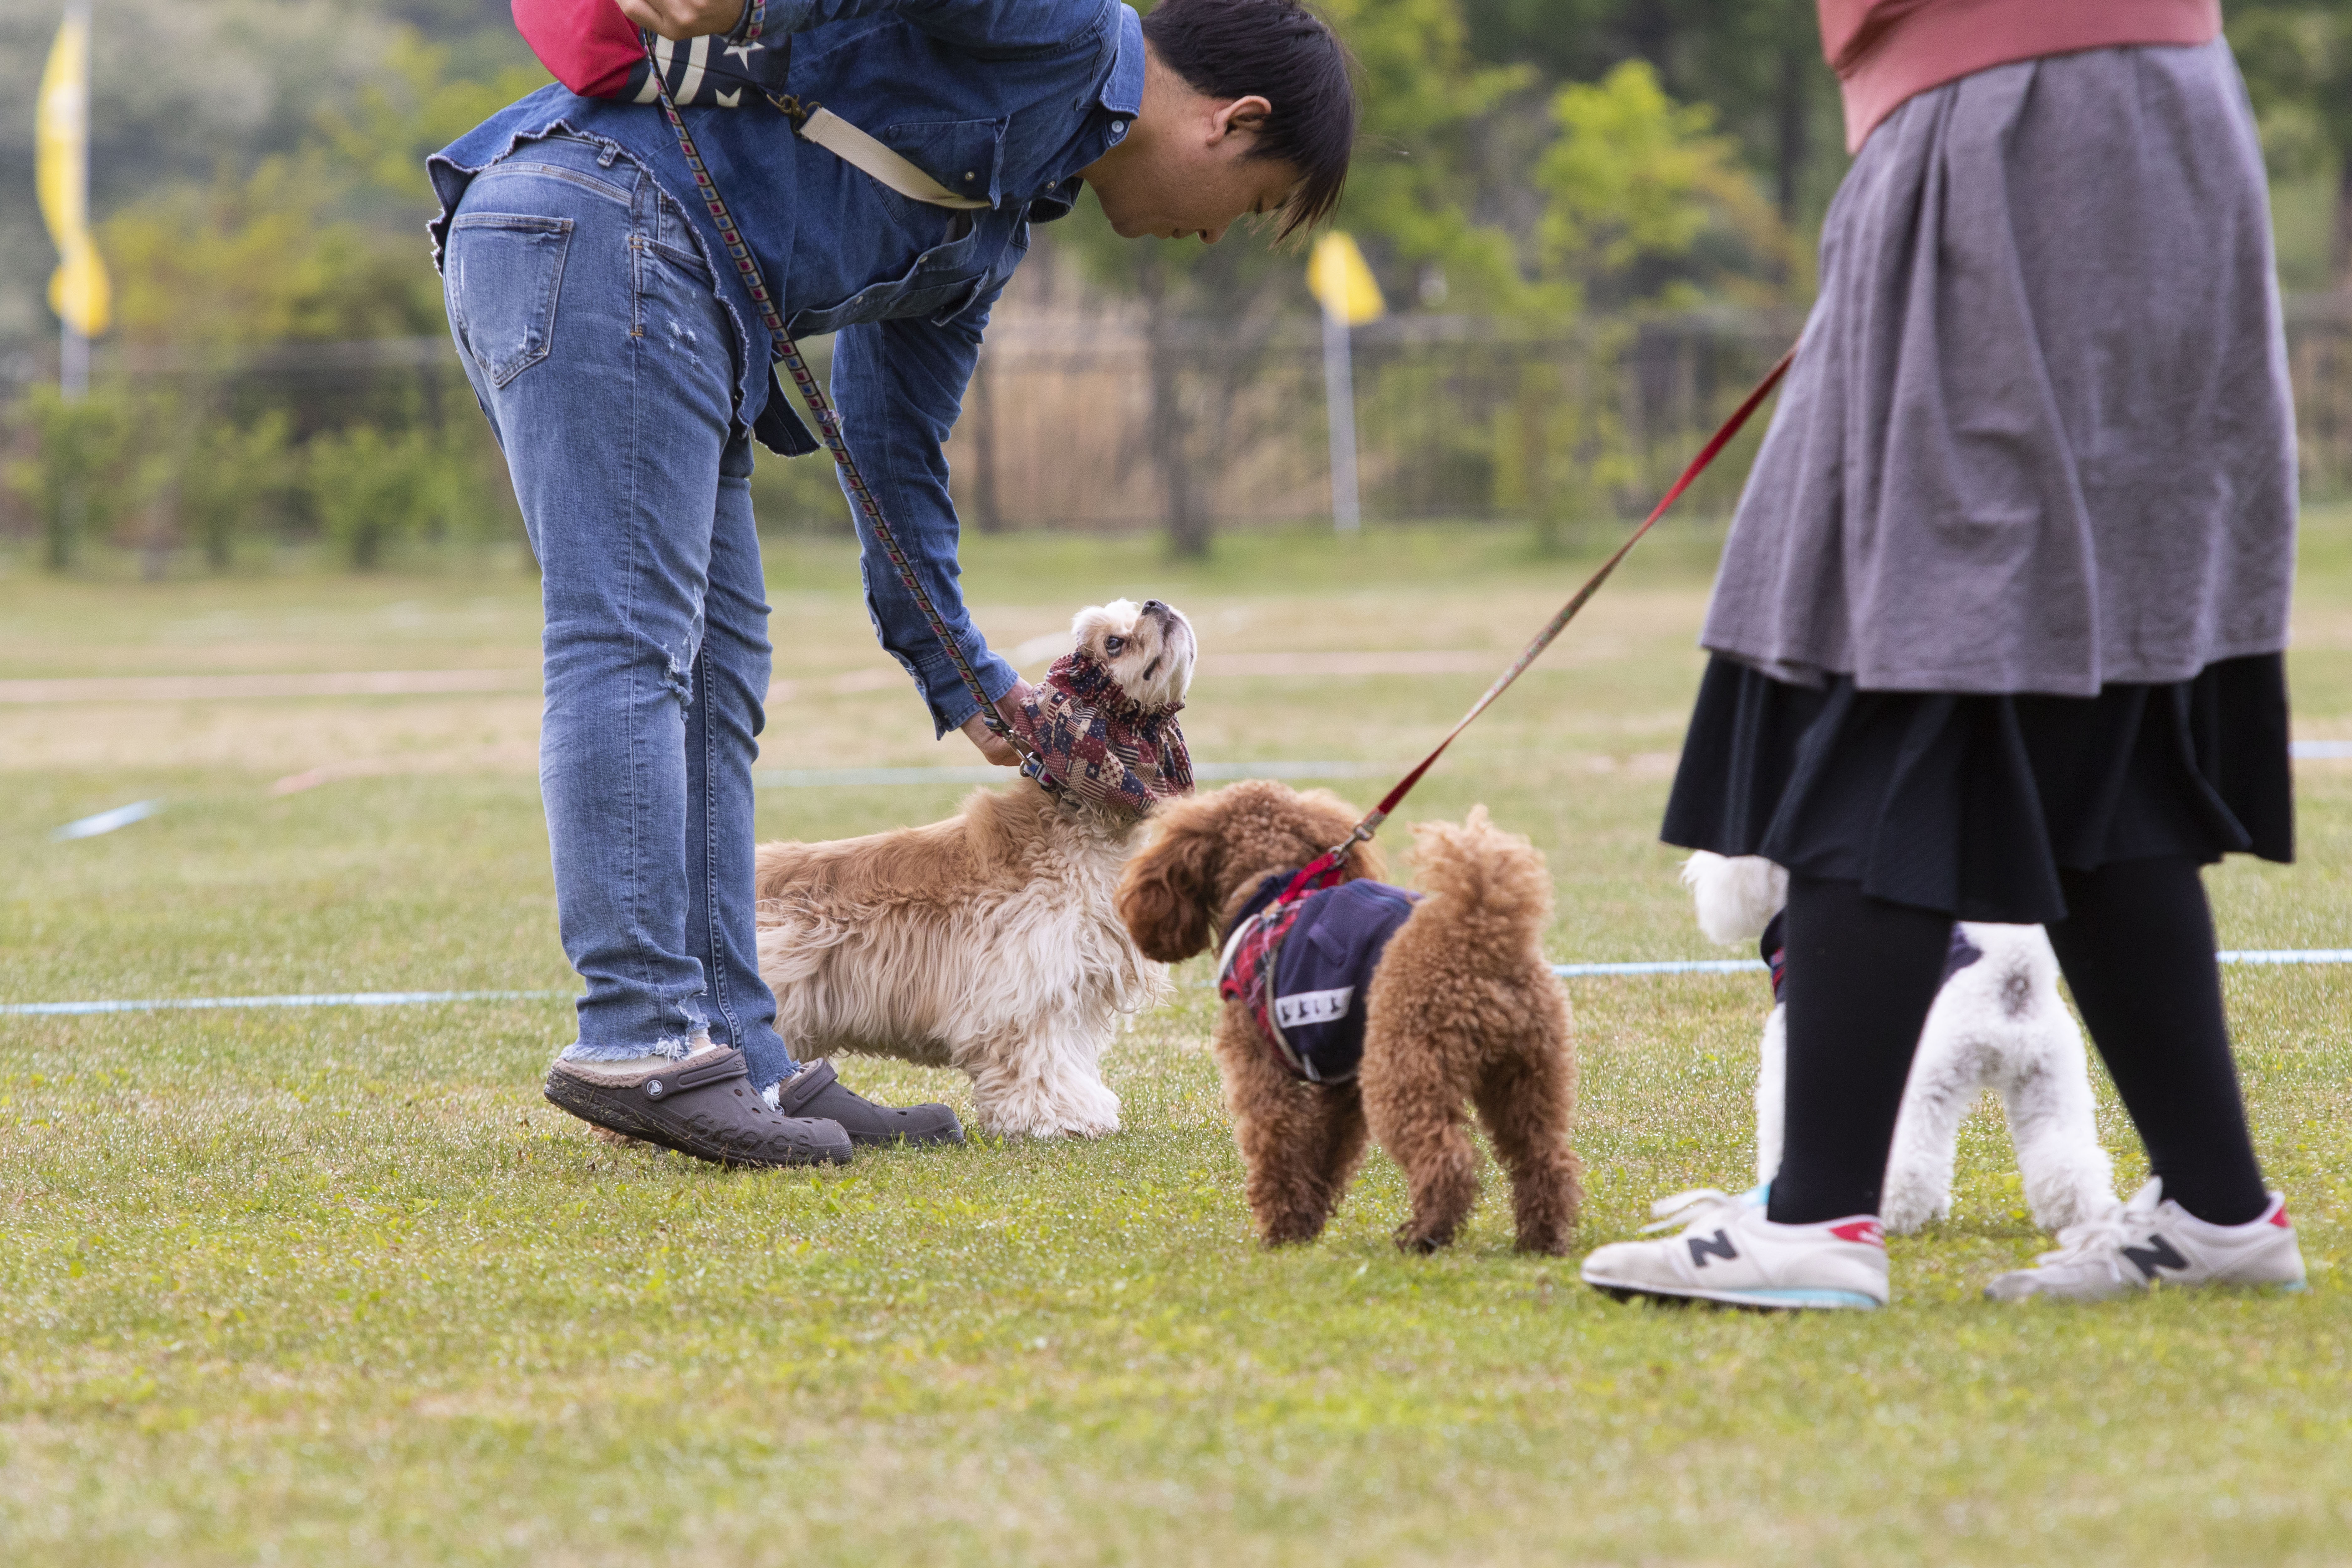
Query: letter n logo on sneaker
[
  {"x": 1701, "y": 1249},
  {"x": 1863, "y": 1232},
  {"x": 2157, "y": 1254}
]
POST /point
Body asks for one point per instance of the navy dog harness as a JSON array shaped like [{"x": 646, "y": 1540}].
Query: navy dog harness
[
  {"x": 1301, "y": 967},
  {"x": 1775, "y": 950}
]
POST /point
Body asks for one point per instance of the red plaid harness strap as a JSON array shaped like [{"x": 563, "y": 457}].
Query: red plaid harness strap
[{"x": 1245, "y": 974}]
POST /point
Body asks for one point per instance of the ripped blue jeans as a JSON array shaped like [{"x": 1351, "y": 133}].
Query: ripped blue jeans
[{"x": 588, "y": 328}]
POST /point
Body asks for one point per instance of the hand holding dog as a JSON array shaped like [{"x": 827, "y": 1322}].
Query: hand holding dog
[{"x": 994, "y": 746}]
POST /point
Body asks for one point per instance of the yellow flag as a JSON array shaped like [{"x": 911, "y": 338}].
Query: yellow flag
[
  {"x": 78, "y": 289},
  {"x": 1340, "y": 281}
]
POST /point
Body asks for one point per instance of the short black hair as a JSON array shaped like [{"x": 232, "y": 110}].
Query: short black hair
[{"x": 1285, "y": 53}]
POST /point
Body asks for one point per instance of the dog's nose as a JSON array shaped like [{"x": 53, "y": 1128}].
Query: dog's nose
[{"x": 1152, "y": 606}]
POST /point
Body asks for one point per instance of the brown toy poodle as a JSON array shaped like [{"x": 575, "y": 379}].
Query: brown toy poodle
[{"x": 1461, "y": 1010}]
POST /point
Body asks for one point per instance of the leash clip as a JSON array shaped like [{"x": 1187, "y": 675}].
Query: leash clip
[{"x": 1362, "y": 834}]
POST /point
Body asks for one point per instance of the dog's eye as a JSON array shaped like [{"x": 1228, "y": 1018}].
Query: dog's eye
[{"x": 1112, "y": 645}]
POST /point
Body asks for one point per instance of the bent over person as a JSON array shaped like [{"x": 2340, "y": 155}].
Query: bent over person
[
  {"x": 620, "y": 349},
  {"x": 1998, "y": 632}
]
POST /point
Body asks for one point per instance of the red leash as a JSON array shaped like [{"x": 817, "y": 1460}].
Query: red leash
[{"x": 1325, "y": 867}]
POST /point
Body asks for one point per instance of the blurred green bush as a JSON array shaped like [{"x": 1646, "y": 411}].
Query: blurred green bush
[{"x": 83, "y": 476}]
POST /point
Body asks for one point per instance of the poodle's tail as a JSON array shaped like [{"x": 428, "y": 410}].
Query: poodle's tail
[
  {"x": 1473, "y": 868},
  {"x": 1736, "y": 895}
]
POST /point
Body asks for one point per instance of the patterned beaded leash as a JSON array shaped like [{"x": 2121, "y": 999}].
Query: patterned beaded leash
[{"x": 828, "y": 422}]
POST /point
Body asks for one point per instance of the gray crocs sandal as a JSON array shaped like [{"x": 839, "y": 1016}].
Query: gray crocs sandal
[
  {"x": 816, "y": 1090},
  {"x": 701, "y": 1105}
]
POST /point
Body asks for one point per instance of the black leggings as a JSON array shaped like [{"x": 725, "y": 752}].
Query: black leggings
[{"x": 2137, "y": 947}]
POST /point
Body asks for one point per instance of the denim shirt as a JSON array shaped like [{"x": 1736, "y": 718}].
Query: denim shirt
[{"x": 1005, "y": 100}]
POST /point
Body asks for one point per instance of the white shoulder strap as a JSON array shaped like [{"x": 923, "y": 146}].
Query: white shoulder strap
[{"x": 854, "y": 147}]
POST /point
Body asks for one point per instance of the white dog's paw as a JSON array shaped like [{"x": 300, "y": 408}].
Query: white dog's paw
[
  {"x": 1910, "y": 1203},
  {"x": 2068, "y": 1198},
  {"x": 1064, "y": 1110},
  {"x": 1046, "y": 1127}
]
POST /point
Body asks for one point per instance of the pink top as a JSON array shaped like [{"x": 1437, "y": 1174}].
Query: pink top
[{"x": 1885, "y": 50}]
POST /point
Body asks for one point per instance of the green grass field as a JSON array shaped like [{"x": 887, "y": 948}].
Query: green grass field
[{"x": 336, "y": 1286}]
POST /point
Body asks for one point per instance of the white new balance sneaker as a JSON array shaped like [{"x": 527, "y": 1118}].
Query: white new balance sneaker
[
  {"x": 2150, "y": 1241},
  {"x": 1729, "y": 1252}
]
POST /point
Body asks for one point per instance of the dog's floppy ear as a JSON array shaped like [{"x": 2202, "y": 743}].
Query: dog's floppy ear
[{"x": 1164, "y": 897}]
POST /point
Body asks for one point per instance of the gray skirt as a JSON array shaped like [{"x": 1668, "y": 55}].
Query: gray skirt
[{"x": 2039, "y": 436}]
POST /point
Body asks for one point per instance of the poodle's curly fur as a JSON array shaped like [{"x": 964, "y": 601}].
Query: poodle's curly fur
[{"x": 1462, "y": 1011}]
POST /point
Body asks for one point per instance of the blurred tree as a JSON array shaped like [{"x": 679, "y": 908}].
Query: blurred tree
[
  {"x": 87, "y": 477},
  {"x": 183, "y": 89},
  {"x": 1411, "y": 193},
  {"x": 206, "y": 277},
  {"x": 415, "y": 106},
  {"x": 261, "y": 259},
  {"x": 236, "y": 481},
  {"x": 2297, "y": 59},
  {"x": 1646, "y": 203},
  {"x": 1758, "y": 62},
  {"x": 1407, "y": 201},
  {"x": 1646, "y": 207},
  {"x": 320, "y": 246},
  {"x": 374, "y": 489}
]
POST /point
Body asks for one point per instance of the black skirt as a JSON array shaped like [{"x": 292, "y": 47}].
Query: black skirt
[{"x": 1971, "y": 804}]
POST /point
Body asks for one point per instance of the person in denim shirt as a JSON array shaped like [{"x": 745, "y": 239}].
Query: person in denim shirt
[{"x": 625, "y": 369}]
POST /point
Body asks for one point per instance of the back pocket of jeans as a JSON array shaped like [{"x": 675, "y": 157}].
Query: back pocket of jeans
[{"x": 505, "y": 270}]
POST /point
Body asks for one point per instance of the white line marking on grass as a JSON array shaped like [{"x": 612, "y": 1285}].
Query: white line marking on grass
[
  {"x": 2289, "y": 955},
  {"x": 1037, "y": 649},
  {"x": 474, "y": 758},
  {"x": 840, "y": 778},
  {"x": 2318, "y": 750},
  {"x": 2268, "y": 957},
  {"x": 195, "y": 688},
  {"x": 1394, "y": 661},
  {"x": 1053, "y": 645},
  {"x": 2257, "y": 956},
  {"x": 1663, "y": 966},
  {"x": 1382, "y": 661},
  {"x": 837, "y": 778},
  {"x": 856, "y": 681},
  {"x": 332, "y": 999},
  {"x": 108, "y": 821}
]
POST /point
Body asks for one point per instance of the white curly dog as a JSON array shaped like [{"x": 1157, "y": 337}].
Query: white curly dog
[{"x": 1998, "y": 1023}]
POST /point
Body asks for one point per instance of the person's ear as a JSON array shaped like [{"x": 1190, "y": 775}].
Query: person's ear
[{"x": 1245, "y": 115}]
